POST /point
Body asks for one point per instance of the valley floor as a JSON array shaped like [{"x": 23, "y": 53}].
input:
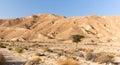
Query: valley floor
[{"x": 50, "y": 53}]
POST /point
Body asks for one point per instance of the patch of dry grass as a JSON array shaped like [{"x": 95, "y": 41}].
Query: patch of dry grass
[
  {"x": 67, "y": 61},
  {"x": 87, "y": 50},
  {"x": 101, "y": 57},
  {"x": 36, "y": 59}
]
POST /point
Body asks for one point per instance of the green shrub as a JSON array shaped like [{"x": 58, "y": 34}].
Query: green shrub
[
  {"x": 3, "y": 44},
  {"x": 111, "y": 56},
  {"x": 9, "y": 48},
  {"x": 77, "y": 38},
  {"x": 19, "y": 49}
]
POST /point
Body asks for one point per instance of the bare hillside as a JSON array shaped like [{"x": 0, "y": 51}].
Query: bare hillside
[{"x": 50, "y": 28}]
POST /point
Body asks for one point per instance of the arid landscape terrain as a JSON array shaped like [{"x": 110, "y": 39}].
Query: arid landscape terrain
[{"x": 47, "y": 39}]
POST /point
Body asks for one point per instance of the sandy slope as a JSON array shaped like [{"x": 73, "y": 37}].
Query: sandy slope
[{"x": 52, "y": 28}]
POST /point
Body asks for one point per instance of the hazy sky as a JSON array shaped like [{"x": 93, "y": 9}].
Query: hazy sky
[{"x": 22, "y": 8}]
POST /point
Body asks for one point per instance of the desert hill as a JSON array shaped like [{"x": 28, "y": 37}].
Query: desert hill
[{"x": 50, "y": 27}]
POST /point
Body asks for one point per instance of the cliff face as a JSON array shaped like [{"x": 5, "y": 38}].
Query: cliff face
[{"x": 48, "y": 27}]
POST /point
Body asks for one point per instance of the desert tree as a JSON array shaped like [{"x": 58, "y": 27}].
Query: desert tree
[{"x": 77, "y": 38}]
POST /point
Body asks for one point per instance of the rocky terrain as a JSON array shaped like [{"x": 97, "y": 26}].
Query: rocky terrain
[
  {"x": 46, "y": 39},
  {"x": 60, "y": 54}
]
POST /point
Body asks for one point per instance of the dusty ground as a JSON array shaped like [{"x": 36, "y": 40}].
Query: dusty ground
[{"x": 51, "y": 57}]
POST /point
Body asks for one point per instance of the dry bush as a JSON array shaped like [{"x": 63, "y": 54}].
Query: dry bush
[
  {"x": 36, "y": 59},
  {"x": 103, "y": 59},
  {"x": 90, "y": 56},
  {"x": 109, "y": 54},
  {"x": 46, "y": 49},
  {"x": 68, "y": 62},
  {"x": 2, "y": 59},
  {"x": 87, "y": 50}
]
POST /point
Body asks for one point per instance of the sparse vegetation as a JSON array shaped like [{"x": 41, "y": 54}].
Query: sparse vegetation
[
  {"x": 111, "y": 56},
  {"x": 36, "y": 58},
  {"x": 90, "y": 56},
  {"x": 45, "y": 39},
  {"x": 9, "y": 48},
  {"x": 46, "y": 49},
  {"x": 3, "y": 44},
  {"x": 19, "y": 49},
  {"x": 77, "y": 38},
  {"x": 101, "y": 57},
  {"x": 68, "y": 62},
  {"x": 87, "y": 50}
]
